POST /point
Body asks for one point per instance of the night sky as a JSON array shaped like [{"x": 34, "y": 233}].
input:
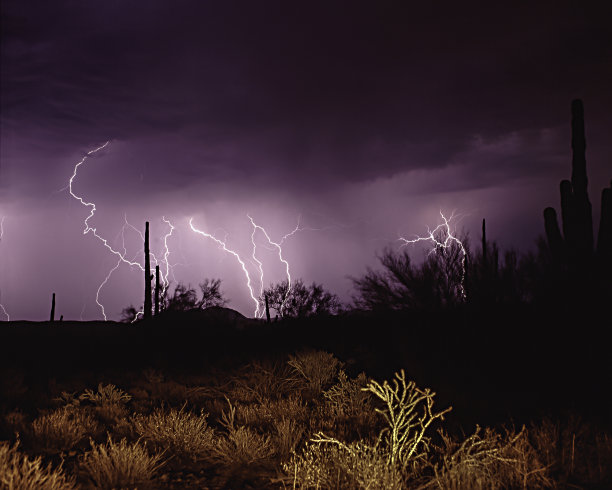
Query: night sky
[{"x": 363, "y": 119}]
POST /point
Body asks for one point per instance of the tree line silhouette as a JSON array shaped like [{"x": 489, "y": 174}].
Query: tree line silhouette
[{"x": 569, "y": 267}]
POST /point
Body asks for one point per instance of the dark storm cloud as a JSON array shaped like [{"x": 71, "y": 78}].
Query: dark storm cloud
[{"x": 322, "y": 94}]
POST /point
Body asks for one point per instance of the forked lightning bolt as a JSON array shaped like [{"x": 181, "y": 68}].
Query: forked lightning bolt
[
  {"x": 2, "y": 308},
  {"x": 279, "y": 249},
  {"x": 223, "y": 245},
  {"x": 444, "y": 230},
  {"x": 121, "y": 257}
]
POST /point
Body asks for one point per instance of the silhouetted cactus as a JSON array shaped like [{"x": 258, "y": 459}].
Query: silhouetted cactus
[
  {"x": 604, "y": 238},
  {"x": 148, "y": 304},
  {"x": 52, "y": 316},
  {"x": 267, "y": 309},
  {"x": 584, "y": 270},
  {"x": 485, "y": 254},
  {"x": 157, "y": 289},
  {"x": 575, "y": 247}
]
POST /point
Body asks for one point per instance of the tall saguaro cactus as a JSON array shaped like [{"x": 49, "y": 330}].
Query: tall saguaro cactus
[
  {"x": 575, "y": 246},
  {"x": 52, "y": 316},
  {"x": 157, "y": 290},
  {"x": 148, "y": 304}
]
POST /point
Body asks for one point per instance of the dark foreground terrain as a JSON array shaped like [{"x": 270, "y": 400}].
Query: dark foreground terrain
[{"x": 186, "y": 401}]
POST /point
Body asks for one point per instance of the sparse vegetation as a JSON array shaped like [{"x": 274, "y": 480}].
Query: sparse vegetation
[
  {"x": 62, "y": 429},
  {"x": 19, "y": 471},
  {"x": 119, "y": 464},
  {"x": 182, "y": 434},
  {"x": 326, "y": 430}
]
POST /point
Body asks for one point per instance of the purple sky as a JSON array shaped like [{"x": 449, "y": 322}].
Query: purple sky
[{"x": 364, "y": 118}]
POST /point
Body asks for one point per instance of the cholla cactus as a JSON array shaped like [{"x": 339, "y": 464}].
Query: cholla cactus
[{"x": 408, "y": 413}]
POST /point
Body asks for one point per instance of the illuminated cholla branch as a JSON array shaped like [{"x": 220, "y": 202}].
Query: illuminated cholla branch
[{"x": 408, "y": 414}]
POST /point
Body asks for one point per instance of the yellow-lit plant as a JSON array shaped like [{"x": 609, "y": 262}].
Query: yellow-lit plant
[{"x": 408, "y": 412}]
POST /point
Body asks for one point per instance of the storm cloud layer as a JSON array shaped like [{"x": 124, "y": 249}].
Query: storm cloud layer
[{"x": 366, "y": 117}]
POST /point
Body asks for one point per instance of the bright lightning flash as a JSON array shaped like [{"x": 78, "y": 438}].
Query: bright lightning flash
[
  {"x": 279, "y": 247},
  {"x": 443, "y": 230},
  {"x": 223, "y": 245},
  {"x": 2, "y": 308},
  {"x": 121, "y": 256}
]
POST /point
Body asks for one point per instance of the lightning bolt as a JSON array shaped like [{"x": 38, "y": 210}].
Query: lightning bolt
[
  {"x": 121, "y": 256},
  {"x": 443, "y": 230},
  {"x": 279, "y": 247},
  {"x": 8, "y": 318},
  {"x": 223, "y": 245}
]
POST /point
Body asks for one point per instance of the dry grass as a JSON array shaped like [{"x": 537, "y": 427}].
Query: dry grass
[
  {"x": 62, "y": 429},
  {"x": 347, "y": 398},
  {"x": 287, "y": 436},
  {"x": 574, "y": 450},
  {"x": 261, "y": 381},
  {"x": 317, "y": 368},
  {"x": 488, "y": 459},
  {"x": 240, "y": 445},
  {"x": 331, "y": 464},
  {"x": 19, "y": 472},
  {"x": 119, "y": 465},
  {"x": 183, "y": 434}
]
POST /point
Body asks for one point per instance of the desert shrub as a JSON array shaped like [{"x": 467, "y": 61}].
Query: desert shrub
[
  {"x": 106, "y": 395},
  {"x": 259, "y": 381},
  {"x": 287, "y": 435},
  {"x": 184, "y": 434},
  {"x": 109, "y": 403},
  {"x": 68, "y": 400},
  {"x": 487, "y": 459},
  {"x": 240, "y": 444},
  {"x": 347, "y": 397},
  {"x": 18, "y": 471},
  {"x": 402, "y": 444},
  {"x": 62, "y": 429},
  {"x": 119, "y": 465},
  {"x": 329, "y": 463},
  {"x": 348, "y": 411},
  {"x": 318, "y": 368}
]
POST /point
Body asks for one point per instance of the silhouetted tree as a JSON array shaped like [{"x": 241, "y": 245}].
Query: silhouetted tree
[
  {"x": 439, "y": 281},
  {"x": 211, "y": 294},
  {"x": 184, "y": 298},
  {"x": 128, "y": 314},
  {"x": 300, "y": 301}
]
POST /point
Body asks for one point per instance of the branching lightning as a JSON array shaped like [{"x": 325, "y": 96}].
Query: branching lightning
[
  {"x": 2, "y": 308},
  {"x": 121, "y": 256},
  {"x": 276, "y": 246},
  {"x": 223, "y": 245},
  {"x": 279, "y": 248},
  {"x": 443, "y": 230}
]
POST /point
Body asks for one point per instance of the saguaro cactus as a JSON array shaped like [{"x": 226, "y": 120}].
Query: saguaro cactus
[
  {"x": 157, "y": 288},
  {"x": 147, "y": 273},
  {"x": 267, "y": 309},
  {"x": 575, "y": 247},
  {"x": 604, "y": 238},
  {"x": 52, "y": 316}
]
